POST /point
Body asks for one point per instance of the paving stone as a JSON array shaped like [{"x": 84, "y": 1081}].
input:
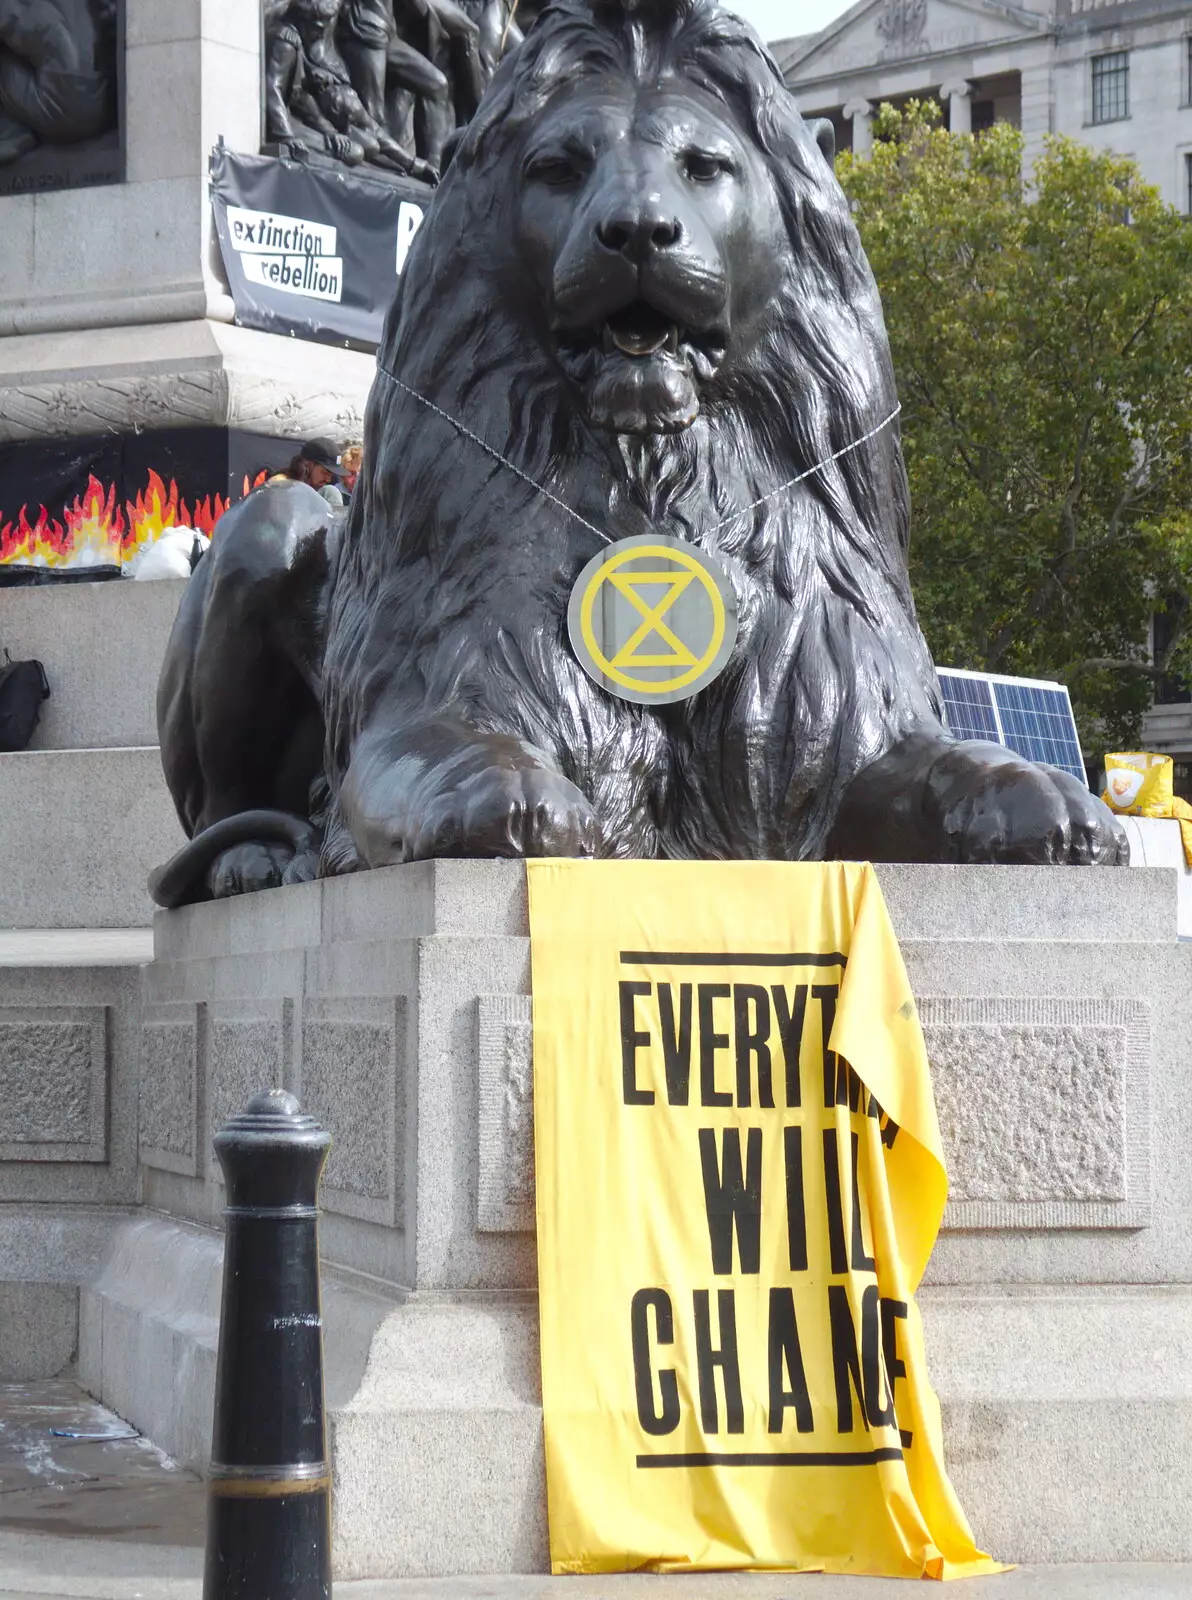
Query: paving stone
[{"x": 69, "y": 1466}]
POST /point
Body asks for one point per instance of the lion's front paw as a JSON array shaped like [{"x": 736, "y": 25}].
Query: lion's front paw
[
  {"x": 439, "y": 789},
  {"x": 1017, "y": 812},
  {"x": 246, "y": 868},
  {"x": 504, "y": 811}
]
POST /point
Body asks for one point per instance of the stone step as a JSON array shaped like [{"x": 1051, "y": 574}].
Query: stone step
[
  {"x": 149, "y": 1330},
  {"x": 80, "y": 831},
  {"x": 75, "y": 947},
  {"x": 102, "y": 646},
  {"x": 40, "y": 1566},
  {"x": 1065, "y": 1409}
]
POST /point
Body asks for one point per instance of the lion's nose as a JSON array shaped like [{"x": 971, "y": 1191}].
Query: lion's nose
[{"x": 635, "y": 233}]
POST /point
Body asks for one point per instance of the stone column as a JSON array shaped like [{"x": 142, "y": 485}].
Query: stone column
[
  {"x": 861, "y": 113},
  {"x": 960, "y": 106},
  {"x": 1038, "y": 118}
]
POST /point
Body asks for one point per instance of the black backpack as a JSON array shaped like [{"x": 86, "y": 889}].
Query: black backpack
[{"x": 23, "y": 687}]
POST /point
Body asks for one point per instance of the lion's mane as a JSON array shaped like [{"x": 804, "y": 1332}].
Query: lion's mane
[{"x": 448, "y": 552}]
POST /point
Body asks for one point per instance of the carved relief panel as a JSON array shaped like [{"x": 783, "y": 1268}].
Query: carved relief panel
[{"x": 61, "y": 82}]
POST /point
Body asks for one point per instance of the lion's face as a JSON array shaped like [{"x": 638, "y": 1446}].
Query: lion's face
[{"x": 655, "y": 244}]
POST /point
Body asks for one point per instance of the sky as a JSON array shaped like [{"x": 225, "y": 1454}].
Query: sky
[{"x": 787, "y": 19}]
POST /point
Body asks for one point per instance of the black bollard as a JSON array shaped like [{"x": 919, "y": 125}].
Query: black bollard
[{"x": 269, "y": 1490}]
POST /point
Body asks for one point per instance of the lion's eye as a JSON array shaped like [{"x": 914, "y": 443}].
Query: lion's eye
[
  {"x": 557, "y": 172},
  {"x": 701, "y": 166}
]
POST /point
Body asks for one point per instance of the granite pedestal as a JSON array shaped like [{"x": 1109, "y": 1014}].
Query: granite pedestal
[
  {"x": 114, "y": 309},
  {"x": 1058, "y": 1011}
]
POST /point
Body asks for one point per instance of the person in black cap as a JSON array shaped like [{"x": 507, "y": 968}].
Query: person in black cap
[{"x": 317, "y": 463}]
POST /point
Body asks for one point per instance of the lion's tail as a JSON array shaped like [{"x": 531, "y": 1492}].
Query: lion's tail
[{"x": 175, "y": 883}]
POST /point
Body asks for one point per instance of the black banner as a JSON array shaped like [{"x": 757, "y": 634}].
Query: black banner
[
  {"x": 85, "y": 508},
  {"x": 311, "y": 250}
]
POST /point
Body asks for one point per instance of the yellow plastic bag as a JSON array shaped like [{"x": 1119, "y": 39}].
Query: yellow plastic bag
[{"x": 1138, "y": 784}]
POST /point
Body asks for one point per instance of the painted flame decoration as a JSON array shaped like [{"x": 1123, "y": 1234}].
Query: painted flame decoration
[{"x": 96, "y": 532}]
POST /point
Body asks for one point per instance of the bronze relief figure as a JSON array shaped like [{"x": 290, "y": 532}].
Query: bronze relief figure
[{"x": 58, "y": 94}]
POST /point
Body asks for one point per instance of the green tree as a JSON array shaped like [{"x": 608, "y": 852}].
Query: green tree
[{"x": 1041, "y": 329}]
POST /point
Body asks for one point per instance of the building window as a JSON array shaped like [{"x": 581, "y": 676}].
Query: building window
[
  {"x": 1111, "y": 86},
  {"x": 1188, "y": 185},
  {"x": 1165, "y": 625},
  {"x": 1188, "y": 70}
]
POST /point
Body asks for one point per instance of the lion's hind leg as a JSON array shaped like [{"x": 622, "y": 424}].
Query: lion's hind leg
[
  {"x": 238, "y": 708},
  {"x": 250, "y": 850}
]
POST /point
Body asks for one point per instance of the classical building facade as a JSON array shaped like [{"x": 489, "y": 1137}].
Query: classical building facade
[{"x": 1114, "y": 75}]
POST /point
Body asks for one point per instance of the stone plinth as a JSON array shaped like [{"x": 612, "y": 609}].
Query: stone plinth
[
  {"x": 114, "y": 311},
  {"x": 70, "y": 1023},
  {"x": 177, "y": 372},
  {"x": 135, "y": 252},
  {"x": 102, "y": 645},
  {"x": 1159, "y": 842},
  {"x": 84, "y": 812},
  {"x": 395, "y": 1004}
]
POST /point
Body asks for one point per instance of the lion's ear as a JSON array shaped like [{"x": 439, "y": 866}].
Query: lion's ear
[{"x": 824, "y": 134}]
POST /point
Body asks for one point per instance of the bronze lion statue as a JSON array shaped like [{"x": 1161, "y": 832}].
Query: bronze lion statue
[{"x": 638, "y": 306}]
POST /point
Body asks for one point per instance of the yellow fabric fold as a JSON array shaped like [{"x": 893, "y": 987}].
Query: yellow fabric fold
[{"x": 739, "y": 1183}]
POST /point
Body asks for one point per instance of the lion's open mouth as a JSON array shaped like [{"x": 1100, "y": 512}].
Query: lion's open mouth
[
  {"x": 640, "y": 367},
  {"x": 639, "y": 331}
]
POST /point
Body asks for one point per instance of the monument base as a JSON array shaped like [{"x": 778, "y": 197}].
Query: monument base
[
  {"x": 435, "y": 1416},
  {"x": 395, "y": 1004},
  {"x": 1064, "y": 1434}
]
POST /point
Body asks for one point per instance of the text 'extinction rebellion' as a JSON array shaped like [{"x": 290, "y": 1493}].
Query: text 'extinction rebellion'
[{"x": 296, "y": 256}]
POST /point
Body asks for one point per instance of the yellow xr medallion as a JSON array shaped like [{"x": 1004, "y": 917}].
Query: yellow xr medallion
[{"x": 652, "y": 619}]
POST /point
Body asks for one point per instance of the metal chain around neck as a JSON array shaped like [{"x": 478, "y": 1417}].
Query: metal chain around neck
[{"x": 541, "y": 489}]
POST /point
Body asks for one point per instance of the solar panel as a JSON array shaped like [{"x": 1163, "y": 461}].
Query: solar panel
[
  {"x": 968, "y": 706},
  {"x": 1030, "y": 716}
]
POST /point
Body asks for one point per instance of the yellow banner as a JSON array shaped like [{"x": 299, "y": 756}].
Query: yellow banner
[{"x": 739, "y": 1181}]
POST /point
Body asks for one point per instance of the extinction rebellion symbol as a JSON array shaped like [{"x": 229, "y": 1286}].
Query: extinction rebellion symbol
[{"x": 652, "y": 619}]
